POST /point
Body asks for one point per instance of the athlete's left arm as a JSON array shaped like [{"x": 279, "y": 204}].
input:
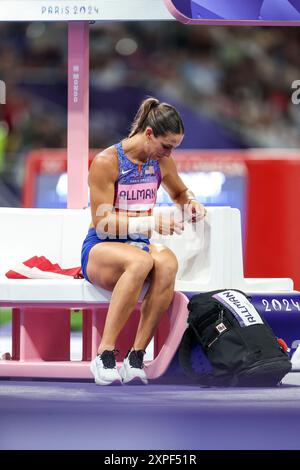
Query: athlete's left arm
[{"x": 178, "y": 191}]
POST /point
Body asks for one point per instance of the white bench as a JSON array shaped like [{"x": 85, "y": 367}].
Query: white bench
[{"x": 209, "y": 258}]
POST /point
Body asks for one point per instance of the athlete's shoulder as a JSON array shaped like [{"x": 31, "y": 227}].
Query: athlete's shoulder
[
  {"x": 106, "y": 161},
  {"x": 109, "y": 154}
]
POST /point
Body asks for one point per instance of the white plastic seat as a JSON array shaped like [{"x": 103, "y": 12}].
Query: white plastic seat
[
  {"x": 234, "y": 259},
  {"x": 209, "y": 258}
]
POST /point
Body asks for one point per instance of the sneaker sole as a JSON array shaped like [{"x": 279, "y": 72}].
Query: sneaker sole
[
  {"x": 136, "y": 380},
  {"x": 102, "y": 382},
  {"x": 114, "y": 383}
]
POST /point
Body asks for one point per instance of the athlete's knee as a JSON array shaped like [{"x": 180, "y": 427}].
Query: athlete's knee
[{"x": 140, "y": 265}]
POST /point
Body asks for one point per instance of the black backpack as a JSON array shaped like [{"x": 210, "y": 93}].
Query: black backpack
[{"x": 240, "y": 346}]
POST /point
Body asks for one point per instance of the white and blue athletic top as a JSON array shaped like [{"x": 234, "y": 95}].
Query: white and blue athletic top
[{"x": 137, "y": 185}]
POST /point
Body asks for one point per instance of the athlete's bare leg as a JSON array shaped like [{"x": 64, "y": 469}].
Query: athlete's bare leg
[
  {"x": 159, "y": 295},
  {"x": 121, "y": 269}
]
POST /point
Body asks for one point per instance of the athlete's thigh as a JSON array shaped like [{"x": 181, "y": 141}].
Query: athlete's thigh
[{"x": 108, "y": 260}]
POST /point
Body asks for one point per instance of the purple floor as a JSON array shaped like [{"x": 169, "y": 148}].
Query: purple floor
[{"x": 69, "y": 415}]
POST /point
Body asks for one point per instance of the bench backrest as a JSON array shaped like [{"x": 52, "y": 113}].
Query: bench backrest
[
  {"x": 209, "y": 257},
  {"x": 58, "y": 234},
  {"x": 54, "y": 233}
]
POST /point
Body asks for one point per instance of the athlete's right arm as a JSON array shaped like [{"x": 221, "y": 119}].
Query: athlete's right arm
[
  {"x": 102, "y": 177},
  {"x": 108, "y": 223}
]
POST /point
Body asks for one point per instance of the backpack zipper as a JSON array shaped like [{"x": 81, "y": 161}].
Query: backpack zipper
[{"x": 220, "y": 318}]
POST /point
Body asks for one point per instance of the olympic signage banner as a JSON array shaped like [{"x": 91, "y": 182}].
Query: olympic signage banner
[
  {"x": 236, "y": 12},
  {"x": 90, "y": 10}
]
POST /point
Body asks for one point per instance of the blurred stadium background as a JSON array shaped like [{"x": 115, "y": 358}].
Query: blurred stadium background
[{"x": 232, "y": 85}]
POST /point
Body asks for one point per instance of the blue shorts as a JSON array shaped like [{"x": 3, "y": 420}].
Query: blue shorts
[{"x": 92, "y": 239}]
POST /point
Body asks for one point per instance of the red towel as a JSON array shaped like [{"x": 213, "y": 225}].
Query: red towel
[{"x": 39, "y": 267}]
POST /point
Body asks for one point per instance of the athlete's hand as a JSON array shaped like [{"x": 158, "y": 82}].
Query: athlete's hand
[
  {"x": 166, "y": 224},
  {"x": 194, "y": 211}
]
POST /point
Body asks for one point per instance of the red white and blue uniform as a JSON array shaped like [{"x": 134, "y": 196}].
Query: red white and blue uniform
[{"x": 135, "y": 192}]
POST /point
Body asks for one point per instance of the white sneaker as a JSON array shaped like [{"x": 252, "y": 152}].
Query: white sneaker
[
  {"x": 104, "y": 369},
  {"x": 132, "y": 368}
]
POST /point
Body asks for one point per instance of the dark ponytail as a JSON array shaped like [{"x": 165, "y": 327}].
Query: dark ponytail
[{"x": 161, "y": 117}]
